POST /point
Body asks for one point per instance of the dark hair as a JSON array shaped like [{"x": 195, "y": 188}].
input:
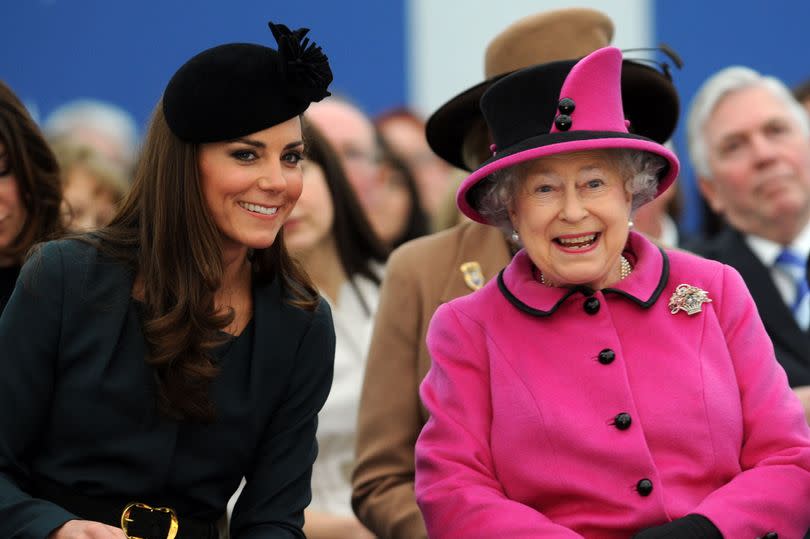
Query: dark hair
[
  {"x": 37, "y": 173},
  {"x": 357, "y": 245},
  {"x": 164, "y": 231},
  {"x": 417, "y": 223}
]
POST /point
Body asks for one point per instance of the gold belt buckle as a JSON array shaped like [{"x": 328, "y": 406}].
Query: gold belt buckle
[{"x": 126, "y": 520}]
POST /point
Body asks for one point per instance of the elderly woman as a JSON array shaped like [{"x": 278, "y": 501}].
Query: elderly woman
[{"x": 600, "y": 386}]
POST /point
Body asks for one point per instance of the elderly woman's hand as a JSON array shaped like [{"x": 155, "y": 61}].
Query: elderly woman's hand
[{"x": 689, "y": 527}]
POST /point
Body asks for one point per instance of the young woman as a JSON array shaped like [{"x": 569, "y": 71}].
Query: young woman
[
  {"x": 30, "y": 189},
  {"x": 150, "y": 366},
  {"x": 329, "y": 234}
]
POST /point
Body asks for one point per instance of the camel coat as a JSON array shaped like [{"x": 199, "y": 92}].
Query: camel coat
[{"x": 420, "y": 276}]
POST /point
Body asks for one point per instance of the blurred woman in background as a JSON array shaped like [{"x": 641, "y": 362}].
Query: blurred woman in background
[
  {"x": 404, "y": 131},
  {"x": 328, "y": 233},
  {"x": 401, "y": 216},
  {"x": 93, "y": 185},
  {"x": 30, "y": 189}
]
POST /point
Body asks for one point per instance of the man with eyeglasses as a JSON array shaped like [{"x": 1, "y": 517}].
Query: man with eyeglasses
[{"x": 352, "y": 135}]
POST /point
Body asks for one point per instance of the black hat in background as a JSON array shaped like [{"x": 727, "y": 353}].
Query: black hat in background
[
  {"x": 236, "y": 89},
  {"x": 456, "y": 131}
]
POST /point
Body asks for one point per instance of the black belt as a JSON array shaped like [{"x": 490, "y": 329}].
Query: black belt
[{"x": 142, "y": 521}]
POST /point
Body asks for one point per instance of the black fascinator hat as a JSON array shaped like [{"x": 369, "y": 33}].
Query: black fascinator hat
[{"x": 236, "y": 89}]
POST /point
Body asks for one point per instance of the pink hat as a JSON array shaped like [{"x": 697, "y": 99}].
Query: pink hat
[{"x": 555, "y": 108}]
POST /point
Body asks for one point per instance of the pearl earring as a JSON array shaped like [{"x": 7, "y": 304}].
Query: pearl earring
[
  {"x": 515, "y": 236},
  {"x": 630, "y": 223}
]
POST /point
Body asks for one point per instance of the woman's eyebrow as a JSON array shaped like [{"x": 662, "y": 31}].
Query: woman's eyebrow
[
  {"x": 294, "y": 144},
  {"x": 250, "y": 142},
  {"x": 262, "y": 145}
]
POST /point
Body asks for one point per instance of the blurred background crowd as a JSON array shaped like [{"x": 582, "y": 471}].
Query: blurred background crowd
[{"x": 403, "y": 53}]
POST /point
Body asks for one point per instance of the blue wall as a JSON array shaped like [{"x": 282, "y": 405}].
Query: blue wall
[
  {"x": 771, "y": 37},
  {"x": 125, "y": 52},
  {"x": 121, "y": 51}
]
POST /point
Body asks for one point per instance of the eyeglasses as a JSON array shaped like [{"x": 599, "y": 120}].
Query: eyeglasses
[{"x": 359, "y": 156}]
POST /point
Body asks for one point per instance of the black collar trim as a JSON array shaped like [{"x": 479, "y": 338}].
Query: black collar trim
[{"x": 587, "y": 291}]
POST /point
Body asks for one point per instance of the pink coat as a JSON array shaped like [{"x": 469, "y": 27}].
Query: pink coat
[{"x": 550, "y": 421}]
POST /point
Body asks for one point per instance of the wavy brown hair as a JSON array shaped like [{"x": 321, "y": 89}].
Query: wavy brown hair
[
  {"x": 165, "y": 232},
  {"x": 37, "y": 173}
]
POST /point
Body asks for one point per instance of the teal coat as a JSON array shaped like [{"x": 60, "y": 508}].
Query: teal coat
[{"x": 77, "y": 404}]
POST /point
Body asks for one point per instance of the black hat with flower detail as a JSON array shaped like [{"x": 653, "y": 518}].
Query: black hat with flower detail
[{"x": 236, "y": 89}]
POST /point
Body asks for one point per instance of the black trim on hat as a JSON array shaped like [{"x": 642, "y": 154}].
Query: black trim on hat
[{"x": 547, "y": 139}]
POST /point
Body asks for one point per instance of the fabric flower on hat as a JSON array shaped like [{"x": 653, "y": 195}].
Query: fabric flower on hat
[
  {"x": 306, "y": 66},
  {"x": 235, "y": 89}
]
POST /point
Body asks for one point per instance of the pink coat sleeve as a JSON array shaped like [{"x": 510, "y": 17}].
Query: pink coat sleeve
[
  {"x": 775, "y": 456},
  {"x": 456, "y": 486}
]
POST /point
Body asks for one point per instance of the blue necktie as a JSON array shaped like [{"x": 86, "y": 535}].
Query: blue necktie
[{"x": 794, "y": 266}]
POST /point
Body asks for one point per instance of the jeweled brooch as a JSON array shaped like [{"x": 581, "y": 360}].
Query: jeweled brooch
[
  {"x": 688, "y": 298},
  {"x": 473, "y": 276}
]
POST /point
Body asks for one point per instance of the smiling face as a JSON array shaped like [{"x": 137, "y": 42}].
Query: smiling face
[
  {"x": 251, "y": 184},
  {"x": 12, "y": 209},
  {"x": 760, "y": 165},
  {"x": 571, "y": 212}
]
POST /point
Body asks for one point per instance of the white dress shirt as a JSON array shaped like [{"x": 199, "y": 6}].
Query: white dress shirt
[{"x": 337, "y": 421}]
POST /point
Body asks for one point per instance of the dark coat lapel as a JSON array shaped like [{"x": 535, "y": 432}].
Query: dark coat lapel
[{"x": 778, "y": 320}]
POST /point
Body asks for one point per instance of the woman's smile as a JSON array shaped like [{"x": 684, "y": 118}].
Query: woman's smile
[
  {"x": 259, "y": 210},
  {"x": 577, "y": 243}
]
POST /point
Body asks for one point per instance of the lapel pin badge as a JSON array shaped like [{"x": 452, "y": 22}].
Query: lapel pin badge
[
  {"x": 473, "y": 276},
  {"x": 688, "y": 298}
]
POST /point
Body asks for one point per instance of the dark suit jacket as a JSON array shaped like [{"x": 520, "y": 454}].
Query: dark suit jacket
[
  {"x": 77, "y": 404},
  {"x": 792, "y": 345}
]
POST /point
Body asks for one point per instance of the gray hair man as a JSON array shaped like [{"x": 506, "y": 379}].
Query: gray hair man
[{"x": 749, "y": 142}]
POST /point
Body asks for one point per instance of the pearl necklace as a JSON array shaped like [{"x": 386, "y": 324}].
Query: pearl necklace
[{"x": 624, "y": 270}]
